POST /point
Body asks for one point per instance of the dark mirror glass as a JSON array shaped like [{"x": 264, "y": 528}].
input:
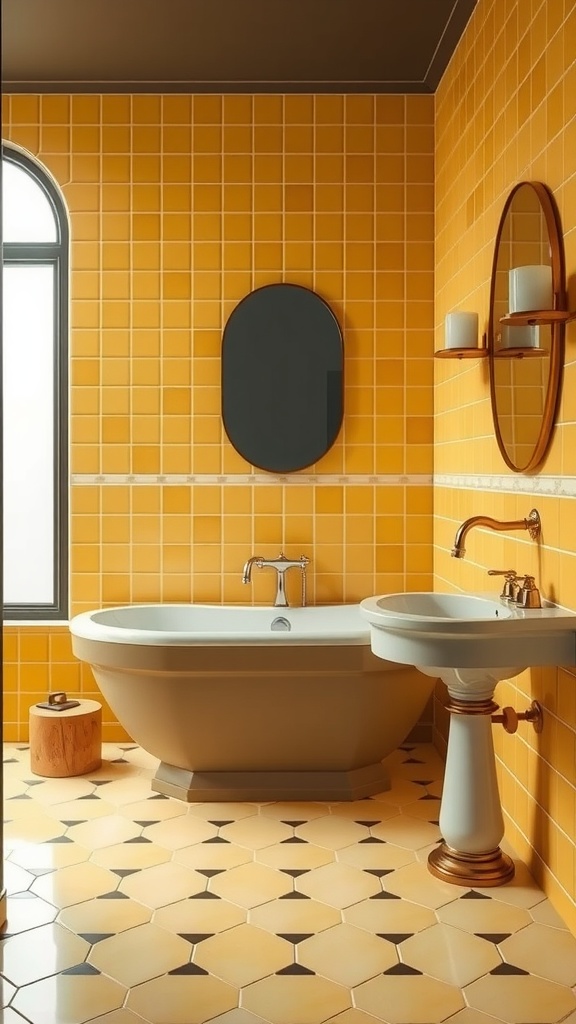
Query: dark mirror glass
[{"x": 282, "y": 378}]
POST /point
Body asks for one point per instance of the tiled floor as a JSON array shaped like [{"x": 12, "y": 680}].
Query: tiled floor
[{"x": 127, "y": 907}]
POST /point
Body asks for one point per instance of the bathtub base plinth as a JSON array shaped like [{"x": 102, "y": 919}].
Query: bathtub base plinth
[{"x": 265, "y": 786}]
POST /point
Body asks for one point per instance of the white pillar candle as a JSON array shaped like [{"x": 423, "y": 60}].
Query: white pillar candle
[
  {"x": 461, "y": 330},
  {"x": 530, "y": 288},
  {"x": 527, "y": 336}
]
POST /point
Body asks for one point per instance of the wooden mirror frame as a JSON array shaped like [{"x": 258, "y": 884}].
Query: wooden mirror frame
[{"x": 554, "y": 318}]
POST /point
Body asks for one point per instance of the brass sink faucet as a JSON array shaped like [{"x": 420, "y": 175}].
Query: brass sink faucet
[{"x": 531, "y": 523}]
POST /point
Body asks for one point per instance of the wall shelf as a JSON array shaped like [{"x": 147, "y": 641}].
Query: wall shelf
[
  {"x": 521, "y": 352},
  {"x": 534, "y": 317},
  {"x": 461, "y": 353}
]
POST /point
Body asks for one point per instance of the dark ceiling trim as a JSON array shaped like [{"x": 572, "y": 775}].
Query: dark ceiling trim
[
  {"x": 461, "y": 14},
  {"x": 216, "y": 87}
]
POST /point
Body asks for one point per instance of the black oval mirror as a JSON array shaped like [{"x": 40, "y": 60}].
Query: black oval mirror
[{"x": 282, "y": 378}]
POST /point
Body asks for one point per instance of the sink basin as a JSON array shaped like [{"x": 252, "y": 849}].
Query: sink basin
[{"x": 436, "y": 630}]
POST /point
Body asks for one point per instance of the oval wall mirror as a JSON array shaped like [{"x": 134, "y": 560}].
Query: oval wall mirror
[
  {"x": 282, "y": 378},
  {"x": 526, "y": 325}
]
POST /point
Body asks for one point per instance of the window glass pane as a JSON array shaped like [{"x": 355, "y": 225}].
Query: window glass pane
[
  {"x": 28, "y": 392},
  {"x": 27, "y": 214}
]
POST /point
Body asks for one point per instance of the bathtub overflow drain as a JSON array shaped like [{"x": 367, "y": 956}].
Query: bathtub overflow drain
[{"x": 282, "y": 624}]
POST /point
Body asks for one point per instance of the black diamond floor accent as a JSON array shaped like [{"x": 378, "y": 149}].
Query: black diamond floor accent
[
  {"x": 10, "y": 760},
  {"x": 294, "y": 896},
  {"x": 384, "y": 896},
  {"x": 413, "y": 760},
  {"x": 119, "y": 760},
  {"x": 195, "y": 937},
  {"x": 21, "y": 796},
  {"x": 158, "y": 796},
  {"x": 113, "y": 896},
  {"x": 428, "y": 796},
  {"x": 82, "y": 969},
  {"x": 395, "y": 937},
  {"x": 402, "y": 969},
  {"x": 204, "y": 895},
  {"x": 372, "y": 839},
  {"x": 99, "y": 782},
  {"x": 124, "y": 872},
  {"x": 471, "y": 895},
  {"x": 368, "y": 824},
  {"x": 219, "y": 824},
  {"x": 144, "y": 824},
  {"x": 508, "y": 969},
  {"x": 295, "y": 969},
  {"x": 295, "y": 872},
  {"x": 209, "y": 872},
  {"x": 294, "y": 824},
  {"x": 126, "y": 749},
  {"x": 37, "y": 872},
  {"x": 74, "y": 821},
  {"x": 137, "y": 839},
  {"x": 294, "y": 937},
  {"x": 293, "y": 839},
  {"x": 33, "y": 782},
  {"x": 91, "y": 796},
  {"x": 423, "y": 782},
  {"x": 494, "y": 937},
  {"x": 379, "y": 872},
  {"x": 188, "y": 969},
  {"x": 94, "y": 937},
  {"x": 59, "y": 839},
  {"x": 216, "y": 839},
  {"x": 406, "y": 749}
]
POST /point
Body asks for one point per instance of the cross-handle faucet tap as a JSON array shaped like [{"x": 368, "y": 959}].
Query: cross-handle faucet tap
[
  {"x": 531, "y": 523},
  {"x": 281, "y": 565}
]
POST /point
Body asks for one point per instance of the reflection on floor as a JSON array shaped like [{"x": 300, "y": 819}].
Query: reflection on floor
[{"x": 127, "y": 907}]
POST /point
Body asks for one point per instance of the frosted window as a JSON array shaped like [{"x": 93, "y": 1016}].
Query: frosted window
[
  {"x": 28, "y": 387},
  {"x": 27, "y": 214}
]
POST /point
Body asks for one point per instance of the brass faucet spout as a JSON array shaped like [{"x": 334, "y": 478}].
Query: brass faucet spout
[{"x": 531, "y": 523}]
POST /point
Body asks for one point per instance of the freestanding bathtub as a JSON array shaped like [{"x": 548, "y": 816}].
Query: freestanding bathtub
[{"x": 253, "y": 703}]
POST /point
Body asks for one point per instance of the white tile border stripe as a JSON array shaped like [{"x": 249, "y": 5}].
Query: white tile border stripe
[
  {"x": 247, "y": 479},
  {"x": 555, "y": 486}
]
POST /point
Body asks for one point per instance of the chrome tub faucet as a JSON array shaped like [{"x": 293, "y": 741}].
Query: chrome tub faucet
[{"x": 281, "y": 565}]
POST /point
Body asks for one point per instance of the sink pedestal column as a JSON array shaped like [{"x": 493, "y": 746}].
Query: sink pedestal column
[{"x": 471, "y": 819}]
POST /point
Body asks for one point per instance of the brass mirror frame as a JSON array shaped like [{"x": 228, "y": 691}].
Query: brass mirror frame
[{"x": 554, "y": 228}]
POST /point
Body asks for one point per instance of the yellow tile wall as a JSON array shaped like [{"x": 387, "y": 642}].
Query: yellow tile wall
[
  {"x": 505, "y": 112},
  {"x": 180, "y": 205}
]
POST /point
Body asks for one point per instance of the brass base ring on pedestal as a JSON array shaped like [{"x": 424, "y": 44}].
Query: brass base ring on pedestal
[{"x": 472, "y": 869}]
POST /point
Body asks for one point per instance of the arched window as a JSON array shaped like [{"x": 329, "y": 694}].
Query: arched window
[{"x": 35, "y": 387}]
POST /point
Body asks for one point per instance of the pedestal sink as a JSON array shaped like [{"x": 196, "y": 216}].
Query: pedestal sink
[{"x": 470, "y": 641}]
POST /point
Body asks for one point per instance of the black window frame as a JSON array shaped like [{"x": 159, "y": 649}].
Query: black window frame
[{"x": 57, "y": 255}]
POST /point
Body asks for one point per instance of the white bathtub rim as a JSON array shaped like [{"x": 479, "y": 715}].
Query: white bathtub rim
[{"x": 86, "y": 626}]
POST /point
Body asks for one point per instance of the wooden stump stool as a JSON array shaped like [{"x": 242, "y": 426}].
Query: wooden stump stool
[{"x": 64, "y": 743}]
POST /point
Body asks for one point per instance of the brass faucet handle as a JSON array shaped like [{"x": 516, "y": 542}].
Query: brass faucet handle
[
  {"x": 529, "y": 595},
  {"x": 511, "y": 586}
]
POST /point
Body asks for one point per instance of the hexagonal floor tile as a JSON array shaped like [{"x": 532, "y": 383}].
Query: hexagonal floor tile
[
  {"x": 521, "y": 999},
  {"x": 408, "y": 999},
  {"x": 332, "y": 832},
  {"x": 57, "y": 791},
  {"x": 294, "y": 916},
  {"x": 244, "y": 954},
  {"x": 139, "y": 954},
  {"x": 131, "y": 856},
  {"x": 106, "y": 831},
  {"x": 175, "y": 833},
  {"x": 25, "y": 911},
  {"x": 33, "y": 828},
  {"x": 40, "y": 953},
  {"x": 483, "y": 915},
  {"x": 296, "y": 856},
  {"x": 338, "y": 885},
  {"x": 295, "y": 1000},
  {"x": 251, "y": 884},
  {"x": 415, "y": 883},
  {"x": 389, "y": 916},
  {"x": 69, "y": 999},
  {"x": 347, "y": 955},
  {"x": 376, "y": 856},
  {"x": 163, "y": 884},
  {"x": 213, "y": 856},
  {"x": 411, "y": 833},
  {"x": 74, "y": 884},
  {"x": 104, "y": 916},
  {"x": 547, "y": 952},
  {"x": 224, "y": 811},
  {"x": 450, "y": 954},
  {"x": 286, "y": 810},
  {"x": 182, "y": 999},
  {"x": 256, "y": 832},
  {"x": 43, "y": 856},
  {"x": 199, "y": 916}
]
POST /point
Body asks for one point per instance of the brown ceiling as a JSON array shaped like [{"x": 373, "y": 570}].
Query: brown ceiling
[{"x": 229, "y": 45}]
